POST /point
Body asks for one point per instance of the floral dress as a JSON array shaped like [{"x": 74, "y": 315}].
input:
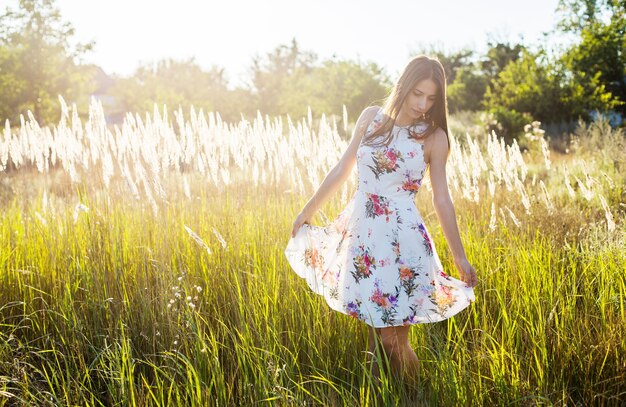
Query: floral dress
[{"x": 376, "y": 261}]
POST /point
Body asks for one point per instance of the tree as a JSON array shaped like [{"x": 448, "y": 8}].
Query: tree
[
  {"x": 289, "y": 80},
  {"x": 326, "y": 88},
  {"x": 498, "y": 56},
  {"x": 270, "y": 74},
  {"x": 598, "y": 60},
  {"x": 176, "y": 84},
  {"x": 468, "y": 90},
  {"x": 38, "y": 63}
]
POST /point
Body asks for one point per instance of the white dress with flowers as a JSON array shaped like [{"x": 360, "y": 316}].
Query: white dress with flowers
[{"x": 376, "y": 261}]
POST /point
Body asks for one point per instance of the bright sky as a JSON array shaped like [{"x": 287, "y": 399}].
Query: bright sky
[{"x": 229, "y": 33}]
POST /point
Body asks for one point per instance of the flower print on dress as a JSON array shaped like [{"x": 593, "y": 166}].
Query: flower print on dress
[
  {"x": 416, "y": 307},
  {"x": 385, "y": 161},
  {"x": 313, "y": 259},
  {"x": 363, "y": 263},
  {"x": 410, "y": 184},
  {"x": 385, "y": 302},
  {"x": 407, "y": 278},
  {"x": 443, "y": 298},
  {"x": 427, "y": 243},
  {"x": 377, "y": 205},
  {"x": 353, "y": 308}
]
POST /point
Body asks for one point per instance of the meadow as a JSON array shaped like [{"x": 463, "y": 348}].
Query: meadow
[{"x": 143, "y": 265}]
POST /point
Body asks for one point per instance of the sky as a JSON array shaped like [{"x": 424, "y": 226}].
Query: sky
[{"x": 228, "y": 34}]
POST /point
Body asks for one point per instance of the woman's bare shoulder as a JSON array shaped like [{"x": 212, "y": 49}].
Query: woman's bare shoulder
[
  {"x": 366, "y": 117},
  {"x": 436, "y": 144},
  {"x": 368, "y": 113}
]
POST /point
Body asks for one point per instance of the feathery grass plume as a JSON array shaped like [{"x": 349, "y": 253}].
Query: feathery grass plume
[
  {"x": 568, "y": 185},
  {"x": 345, "y": 118},
  {"x": 197, "y": 239},
  {"x": 491, "y": 184},
  {"x": 586, "y": 191},
  {"x": 519, "y": 186},
  {"x": 220, "y": 238},
  {"x": 492, "y": 219},
  {"x": 502, "y": 216},
  {"x": 545, "y": 149},
  {"x": 4, "y": 146},
  {"x": 610, "y": 223},
  {"x": 513, "y": 217},
  {"x": 129, "y": 180},
  {"x": 608, "y": 179},
  {"x": 107, "y": 169},
  {"x": 546, "y": 197}
]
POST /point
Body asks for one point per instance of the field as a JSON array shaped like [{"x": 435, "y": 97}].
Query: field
[{"x": 144, "y": 265}]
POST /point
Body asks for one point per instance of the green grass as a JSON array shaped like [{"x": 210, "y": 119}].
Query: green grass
[
  {"x": 119, "y": 305},
  {"x": 85, "y": 317}
]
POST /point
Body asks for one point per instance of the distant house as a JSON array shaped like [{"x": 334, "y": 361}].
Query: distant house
[{"x": 104, "y": 83}]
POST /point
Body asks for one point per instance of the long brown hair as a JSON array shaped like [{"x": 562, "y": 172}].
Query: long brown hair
[{"x": 418, "y": 69}]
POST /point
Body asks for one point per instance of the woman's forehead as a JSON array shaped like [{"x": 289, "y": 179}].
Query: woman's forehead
[{"x": 427, "y": 86}]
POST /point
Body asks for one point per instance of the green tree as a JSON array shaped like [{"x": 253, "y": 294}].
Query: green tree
[
  {"x": 468, "y": 90},
  {"x": 176, "y": 84},
  {"x": 326, "y": 88},
  {"x": 598, "y": 60},
  {"x": 498, "y": 56},
  {"x": 271, "y": 73},
  {"x": 38, "y": 63}
]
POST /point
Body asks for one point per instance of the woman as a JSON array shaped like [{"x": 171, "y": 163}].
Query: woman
[{"x": 376, "y": 261}]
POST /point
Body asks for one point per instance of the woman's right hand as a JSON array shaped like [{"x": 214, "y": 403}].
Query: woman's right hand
[
  {"x": 467, "y": 272},
  {"x": 301, "y": 219}
]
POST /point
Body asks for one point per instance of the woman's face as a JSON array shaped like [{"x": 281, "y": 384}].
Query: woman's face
[{"x": 418, "y": 102}]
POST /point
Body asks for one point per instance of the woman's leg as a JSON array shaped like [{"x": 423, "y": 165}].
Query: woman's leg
[{"x": 402, "y": 358}]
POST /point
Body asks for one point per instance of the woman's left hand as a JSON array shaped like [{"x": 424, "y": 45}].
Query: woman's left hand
[{"x": 467, "y": 272}]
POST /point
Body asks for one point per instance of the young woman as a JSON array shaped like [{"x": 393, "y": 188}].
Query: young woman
[{"x": 376, "y": 261}]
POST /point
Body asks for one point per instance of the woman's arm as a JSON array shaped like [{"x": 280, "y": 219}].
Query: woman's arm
[
  {"x": 339, "y": 173},
  {"x": 444, "y": 207}
]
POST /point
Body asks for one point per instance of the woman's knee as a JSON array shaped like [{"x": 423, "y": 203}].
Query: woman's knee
[{"x": 394, "y": 339}]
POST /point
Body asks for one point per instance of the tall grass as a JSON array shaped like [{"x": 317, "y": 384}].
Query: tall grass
[{"x": 144, "y": 265}]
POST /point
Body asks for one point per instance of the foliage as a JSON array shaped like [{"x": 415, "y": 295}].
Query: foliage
[
  {"x": 178, "y": 84},
  {"x": 541, "y": 88},
  {"x": 467, "y": 90},
  {"x": 498, "y": 56},
  {"x": 38, "y": 62},
  {"x": 288, "y": 80},
  {"x": 598, "y": 60},
  {"x": 271, "y": 73},
  {"x": 526, "y": 86},
  {"x": 507, "y": 123},
  {"x": 353, "y": 84}
]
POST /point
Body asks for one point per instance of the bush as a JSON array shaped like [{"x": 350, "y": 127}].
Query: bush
[{"x": 507, "y": 123}]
